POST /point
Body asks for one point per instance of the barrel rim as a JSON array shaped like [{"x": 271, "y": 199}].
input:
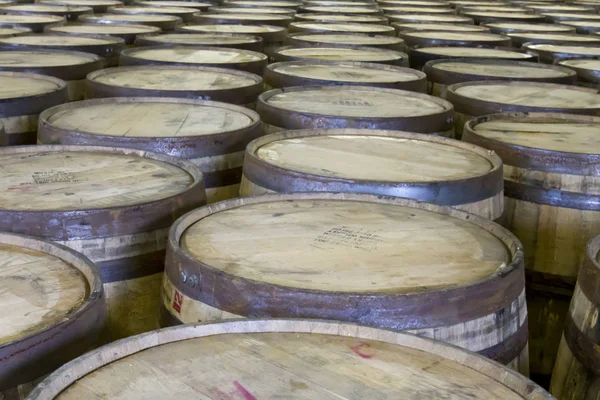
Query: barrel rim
[
  {"x": 464, "y": 190},
  {"x": 33, "y": 104},
  {"x": 515, "y": 30},
  {"x": 273, "y": 115},
  {"x": 180, "y": 12},
  {"x": 480, "y": 17},
  {"x": 318, "y": 9},
  {"x": 284, "y": 3},
  {"x": 395, "y": 310},
  {"x": 165, "y": 22},
  {"x": 551, "y": 56},
  {"x": 410, "y": 18},
  {"x": 395, "y": 57},
  {"x": 444, "y": 77},
  {"x": 195, "y": 5},
  {"x": 19, "y": 30},
  {"x": 584, "y": 74},
  {"x": 410, "y": 38},
  {"x": 268, "y": 37},
  {"x": 393, "y": 42},
  {"x": 273, "y": 19},
  {"x": 150, "y": 29},
  {"x": 327, "y": 18},
  {"x": 32, "y": 348},
  {"x": 296, "y": 26},
  {"x": 74, "y": 370},
  {"x": 400, "y": 27},
  {"x": 519, "y": 38},
  {"x": 226, "y": 9},
  {"x": 73, "y": 11},
  {"x": 245, "y": 39}
]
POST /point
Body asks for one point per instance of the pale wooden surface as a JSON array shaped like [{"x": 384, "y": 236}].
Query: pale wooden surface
[
  {"x": 141, "y": 18},
  {"x": 192, "y": 55},
  {"x": 305, "y": 366},
  {"x": 10, "y": 31},
  {"x": 352, "y": 239},
  {"x": 544, "y": 133},
  {"x": 348, "y": 39},
  {"x": 431, "y": 18},
  {"x": 346, "y": 73},
  {"x": 37, "y": 290},
  {"x": 581, "y": 23},
  {"x": 375, "y": 158},
  {"x": 591, "y": 50},
  {"x": 104, "y": 29},
  {"x": 13, "y": 87},
  {"x": 150, "y": 119},
  {"x": 440, "y": 27},
  {"x": 167, "y": 3},
  {"x": 243, "y": 17},
  {"x": 89, "y": 3},
  {"x": 525, "y": 94},
  {"x": 174, "y": 79},
  {"x": 344, "y": 10},
  {"x": 455, "y": 35},
  {"x": 20, "y": 123},
  {"x": 263, "y": 11},
  {"x": 29, "y": 18},
  {"x": 200, "y": 38},
  {"x": 555, "y": 36},
  {"x": 529, "y": 27},
  {"x": 259, "y": 3},
  {"x": 341, "y": 18},
  {"x": 229, "y": 28},
  {"x": 149, "y": 10},
  {"x": 57, "y": 40},
  {"x": 341, "y": 54},
  {"x": 500, "y": 70},
  {"x": 40, "y": 58},
  {"x": 40, "y": 8},
  {"x": 492, "y": 14},
  {"x": 83, "y": 180},
  {"x": 591, "y": 65},
  {"x": 344, "y": 27},
  {"x": 474, "y": 52},
  {"x": 584, "y": 16},
  {"x": 350, "y": 102}
]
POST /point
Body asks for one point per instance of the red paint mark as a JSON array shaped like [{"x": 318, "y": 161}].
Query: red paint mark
[
  {"x": 24, "y": 187},
  {"x": 177, "y": 302},
  {"x": 360, "y": 348},
  {"x": 243, "y": 391}
]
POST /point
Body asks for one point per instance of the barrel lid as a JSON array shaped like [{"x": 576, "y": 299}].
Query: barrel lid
[
  {"x": 258, "y": 10},
  {"x": 416, "y": 10},
  {"x": 178, "y": 11},
  {"x": 557, "y": 16},
  {"x": 44, "y": 58},
  {"x": 557, "y": 7},
  {"x": 148, "y": 117},
  {"x": 507, "y": 27},
  {"x": 430, "y": 18},
  {"x": 583, "y": 26},
  {"x": 45, "y": 8},
  {"x": 346, "y": 39},
  {"x": 508, "y": 16},
  {"x": 443, "y": 37},
  {"x": 537, "y": 37},
  {"x": 193, "y": 55},
  {"x": 502, "y": 9},
  {"x": 87, "y": 3},
  {"x": 24, "y": 19},
  {"x": 268, "y": 33},
  {"x": 15, "y": 85},
  {"x": 38, "y": 290},
  {"x": 13, "y": 30},
  {"x": 57, "y": 40},
  {"x": 44, "y": 178},
  {"x": 479, "y": 52},
  {"x": 438, "y": 27},
  {"x": 340, "y": 10},
  {"x": 587, "y": 69},
  {"x": 173, "y": 3},
  {"x": 266, "y": 3},
  {"x": 255, "y": 18},
  {"x": 340, "y": 27},
  {"x": 214, "y": 39},
  {"x": 411, "y": 3},
  {"x": 337, "y": 3},
  {"x": 340, "y": 53},
  {"x": 129, "y": 18},
  {"x": 567, "y": 50},
  {"x": 361, "y": 19},
  {"x": 314, "y": 359},
  {"x": 104, "y": 29}
]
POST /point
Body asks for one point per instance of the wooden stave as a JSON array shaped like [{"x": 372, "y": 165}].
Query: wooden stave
[
  {"x": 295, "y": 27},
  {"x": 399, "y": 58},
  {"x": 70, "y": 15},
  {"x": 168, "y": 25},
  {"x": 443, "y": 193},
  {"x": 185, "y": 14},
  {"x": 127, "y": 58},
  {"x": 517, "y": 30},
  {"x": 395, "y": 312},
  {"x": 293, "y": 40},
  {"x": 412, "y": 41},
  {"x": 37, "y": 27},
  {"x": 275, "y": 79},
  {"x": 253, "y": 43},
  {"x": 450, "y": 77},
  {"x": 188, "y": 147},
  {"x": 290, "y": 120},
  {"x": 267, "y": 37},
  {"x": 419, "y": 58},
  {"x": 243, "y": 95},
  {"x": 84, "y": 329},
  {"x": 277, "y": 20},
  {"x": 324, "y": 18},
  {"x": 584, "y": 75},
  {"x": 129, "y": 38}
]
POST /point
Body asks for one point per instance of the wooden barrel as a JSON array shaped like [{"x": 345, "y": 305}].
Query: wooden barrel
[
  {"x": 339, "y": 18},
  {"x": 576, "y": 369},
  {"x": 416, "y": 10},
  {"x": 389, "y": 163},
  {"x": 421, "y": 55},
  {"x": 429, "y": 19},
  {"x": 323, "y": 72},
  {"x": 196, "y": 5},
  {"x": 25, "y": 96},
  {"x": 495, "y": 8},
  {"x": 347, "y": 234},
  {"x": 230, "y": 40},
  {"x": 444, "y": 38},
  {"x": 258, "y": 10},
  {"x": 515, "y": 27},
  {"x": 70, "y": 66},
  {"x": 552, "y": 207},
  {"x": 211, "y": 135},
  {"x": 341, "y": 53},
  {"x": 113, "y": 205},
  {"x": 340, "y": 10},
  {"x": 98, "y": 6},
  {"x": 519, "y": 39},
  {"x": 35, "y": 22},
  {"x": 13, "y": 31},
  {"x": 442, "y": 73},
  {"x": 266, "y": 3},
  {"x": 558, "y": 8},
  {"x": 218, "y": 84},
  {"x": 260, "y": 359},
  {"x": 341, "y": 27},
  {"x": 584, "y": 27},
  {"x": 413, "y": 3},
  {"x": 107, "y": 47},
  {"x": 554, "y": 53},
  {"x": 561, "y": 17},
  {"x": 484, "y": 17},
  {"x": 127, "y": 32},
  {"x": 243, "y": 60},
  {"x": 588, "y": 71},
  {"x": 71, "y": 13},
  {"x": 359, "y": 107},
  {"x": 164, "y": 22},
  {"x": 474, "y": 99},
  {"x": 242, "y": 19},
  {"x": 403, "y": 27},
  {"x": 346, "y": 39},
  {"x": 186, "y": 14},
  {"x": 53, "y": 309}
]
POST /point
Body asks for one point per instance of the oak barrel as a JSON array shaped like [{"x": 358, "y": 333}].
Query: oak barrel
[
  {"x": 340, "y": 18},
  {"x": 474, "y": 99},
  {"x": 341, "y": 53},
  {"x": 424, "y": 18},
  {"x": 515, "y": 27},
  {"x": 127, "y": 32},
  {"x": 218, "y": 84},
  {"x": 305, "y": 243},
  {"x": 107, "y": 47},
  {"x": 70, "y": 66},
  {"x": 554, "y": 53},
  {"x": 211, "y": 135},
  {"x": 340, "y": 10},
  {"x": 588, "y": 71},
  {"x": 558, "y": 7},
  {"x": 220, "y": 57},
  {"x": 242, "y": 19},
  {"x": 186, "y": 14},
  {"x": 53, "y": 309},
  {"x": 346, "y": 39},
  {"x": 442, "y": 73},
  {"x": 13, "y": 31},
  {"x": 577, "y": 370},
  {"x": 341, "y": 27},
  {"x": 261, "y": 359},
  {"x": 416, "y": 26},
  {"x": 325, "y": 72},
  {"x": 391, "y": 11},
  {"x": 585, "y": 27},
  {"x": 519, "y": 39},
  {"x": 25, "y": 96},
  {"x": 196, "y": 5},
  {"x": 113, "y": 205},
  {"x": 558, "y": 17},
  {"x": 35, "y": 22},
  {"x": 99, "y": 6},
  {"x": 258, "y": 11},
  {"x": 71, "y": 13},
  {"x": 484, "y": 17},
  {"x": 236, "y": 41},
  {"x": 358, "y": 107},
  {"x": 162, "y": 21},
  {"x": 551, "y": 205},
  {"x": 443, "y": 38},
  {"x": 390, "y": 163},
  {"x": 272, "y": 36},
  {"x": 264, "y": 3}
]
